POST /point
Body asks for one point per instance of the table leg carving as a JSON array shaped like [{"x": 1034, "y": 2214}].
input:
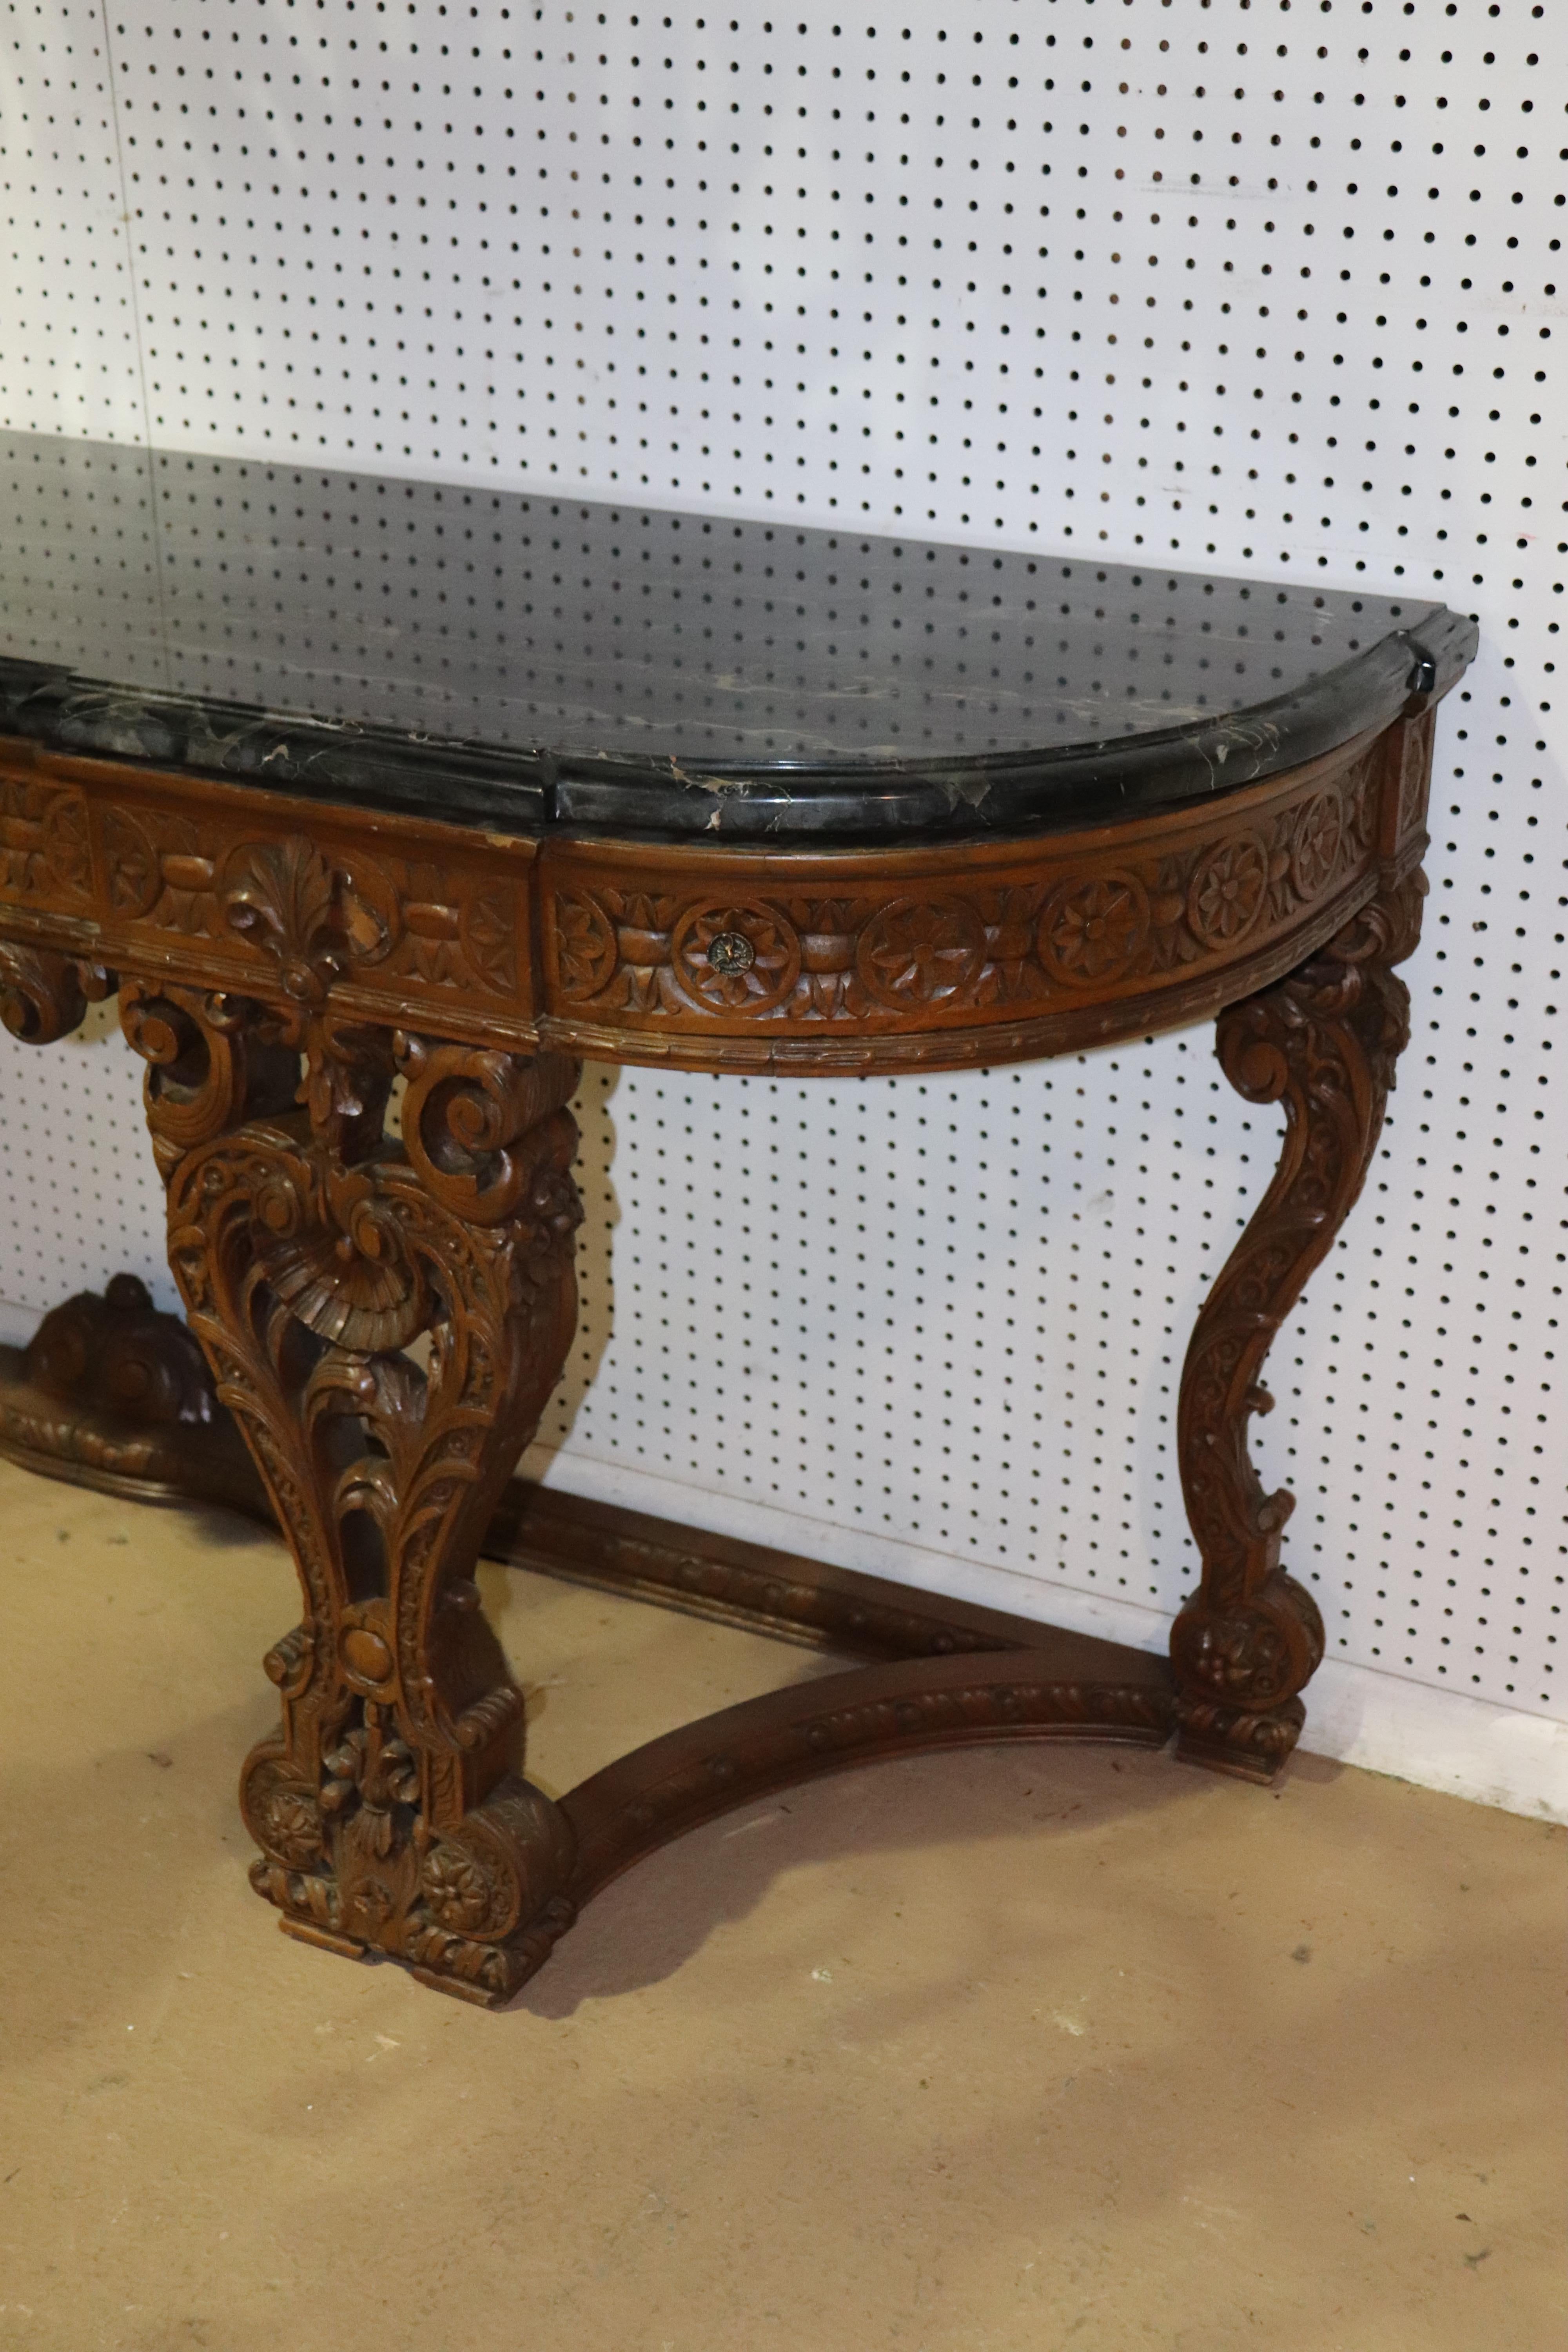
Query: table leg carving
[
  {"x": 1323, "y": 1043},
  {"x": 313, "y": 1254}
]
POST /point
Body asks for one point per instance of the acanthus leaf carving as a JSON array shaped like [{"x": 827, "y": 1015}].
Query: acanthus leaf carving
[
  {"x": 317, "y": 914},
  {"x": 283, "y": 896}
]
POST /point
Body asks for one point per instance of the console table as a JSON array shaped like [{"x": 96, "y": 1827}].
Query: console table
[{"x": 339, "y": 781}]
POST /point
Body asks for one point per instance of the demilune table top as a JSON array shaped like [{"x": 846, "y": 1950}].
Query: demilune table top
[{"x": 530, "y": 661}]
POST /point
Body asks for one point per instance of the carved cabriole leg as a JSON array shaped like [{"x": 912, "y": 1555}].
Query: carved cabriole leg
[
  {"x": 1323, "y": 1043},
  {"x": 313, "y": 1254}
]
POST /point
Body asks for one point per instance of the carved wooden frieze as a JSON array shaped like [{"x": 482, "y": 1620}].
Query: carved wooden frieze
[
  {"x": 708, "y": 953},
  {"x": 418, "y": 916},
  {"x": 414, "y": 919},
  {"x": 641, "y": 942}
]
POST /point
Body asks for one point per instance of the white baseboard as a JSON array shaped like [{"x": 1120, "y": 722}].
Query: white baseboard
[
  {"x": 17, "y": 1324},
  {"x": 1443, "y": 1739},
  {"x": 1440, "y": 1739}
]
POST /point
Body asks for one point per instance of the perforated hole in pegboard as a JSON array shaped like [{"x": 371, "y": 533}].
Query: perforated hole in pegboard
[{"x": 1274, "y": 289}]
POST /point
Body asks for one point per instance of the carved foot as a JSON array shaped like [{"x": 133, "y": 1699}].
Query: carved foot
[
  {"x": 354, "y": 1864},
  {"x": 1238, "y": 1674}
]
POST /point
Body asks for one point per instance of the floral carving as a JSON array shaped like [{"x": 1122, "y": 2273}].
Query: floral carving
[
  {"x": 1413, "y": 750},
  {"x": 281, "y": 1810},
  {"x": 805, "y": 952},
  {"x": 586, "y": 947},
  {"x": 1229, "y": 891},
  {"x": 488, "y": 929},
  {"x": 1094, "y": 930},
  {"x": 1314, "y": 853},
  {"x": 460, "y": 1894},
  {"x": 723, "y": 981},
  {"x": 66, "y": 849},
  {"x": 135, "y": 876},
  {"x": 43, "y": 842},
  {"x": 921, "y": 951},
  {"x": 1034, "y": 939}
]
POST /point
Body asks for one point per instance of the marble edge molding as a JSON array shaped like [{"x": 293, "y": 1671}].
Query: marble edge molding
[{"x": 533, "y": 792}]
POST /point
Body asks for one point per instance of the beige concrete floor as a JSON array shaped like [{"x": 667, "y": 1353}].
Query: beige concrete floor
[{"x": 1020, "y": 2048}]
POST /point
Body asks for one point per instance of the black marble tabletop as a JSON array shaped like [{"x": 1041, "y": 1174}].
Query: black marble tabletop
[{"x": 523, "y": 661}]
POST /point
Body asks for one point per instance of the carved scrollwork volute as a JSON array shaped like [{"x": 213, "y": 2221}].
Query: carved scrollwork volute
[
  {"x": 1387, "y": 929},
  {"x": 1323, "y": 1043},
  {"x": 42, "y": 997},
  {"x": 213, "y": 1060},
  {"x": 498, "y": 1867},
  {"x": 465, "y": 1117}
]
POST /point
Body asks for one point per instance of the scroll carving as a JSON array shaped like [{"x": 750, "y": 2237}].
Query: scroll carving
[
  {"x": 1323, "y": 1043},
  {"x": 213, "y": 1060},
  {"x": 313, "y": 1251},
  {"x": 42, "y": 997}
]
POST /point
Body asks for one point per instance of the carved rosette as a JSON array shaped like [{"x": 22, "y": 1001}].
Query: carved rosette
[
  {"x": 919, "y": 951},
  {"x": 313, "y": 1251},
  {"x": 1094, "y": 930},
  {"x": 1323, "y": 1043},
  {"x": 735, "y": 956},
  {"x": 44, "y": 852},
  {"x": 1315, "y": 848},
  {"x": 1229, "y": 891}
]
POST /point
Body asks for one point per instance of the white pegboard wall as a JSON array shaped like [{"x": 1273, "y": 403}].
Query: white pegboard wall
[
  {"x": 1272, "y": 289},
  {"x": 68, "y": 356},
  {"x": 81, "y": 1195}
]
